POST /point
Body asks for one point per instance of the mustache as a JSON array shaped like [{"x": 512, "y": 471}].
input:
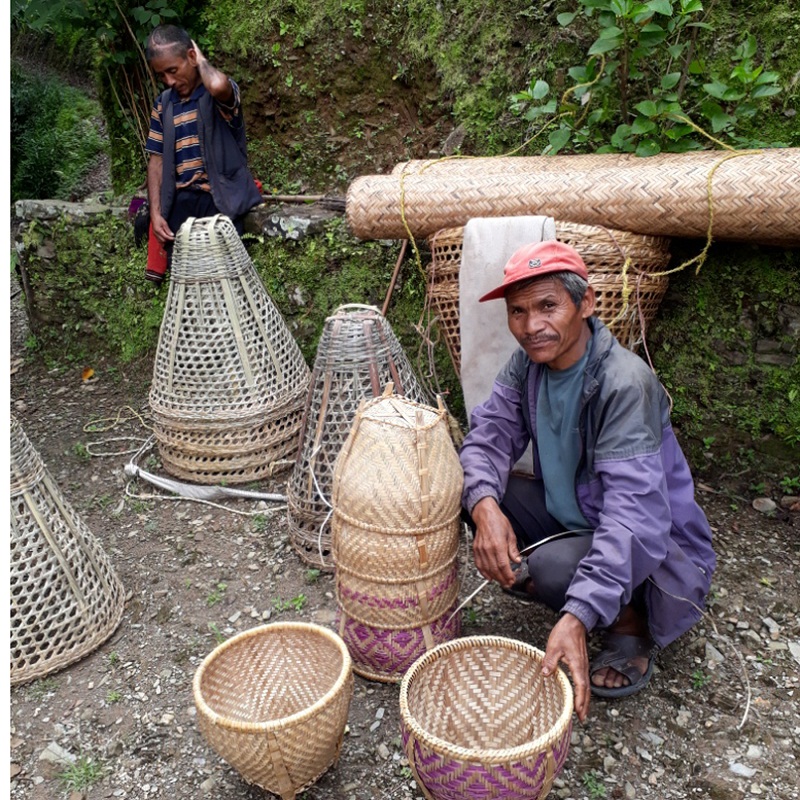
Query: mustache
[{"x": 534, "y": 341}]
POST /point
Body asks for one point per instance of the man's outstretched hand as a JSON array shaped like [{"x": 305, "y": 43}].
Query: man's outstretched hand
[
  {"x": 495, "y": 544},
  {"x": 567, "y": 645}
]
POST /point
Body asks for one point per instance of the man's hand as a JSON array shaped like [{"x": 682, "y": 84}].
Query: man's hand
[
  {"x": 567, "y": 644},
  {"x": 217, "y": 83},
  {"x": 495, "y": 544},
  {"x": 161, "y": 229}
]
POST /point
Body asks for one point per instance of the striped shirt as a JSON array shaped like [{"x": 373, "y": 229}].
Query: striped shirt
[{"x": 189, "y": 167}]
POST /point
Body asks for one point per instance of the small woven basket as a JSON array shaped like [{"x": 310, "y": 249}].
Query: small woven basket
[
  {"x": 358, "y": 354},
  {"x": 273, "y": 702},
  {"x": 66, "y": 599},
  {"x": 479, "y": 719},
  {"x": 605, "y": 252},
  {"x": 229, "y": 381},
  {"x": 396, "y": 521}
]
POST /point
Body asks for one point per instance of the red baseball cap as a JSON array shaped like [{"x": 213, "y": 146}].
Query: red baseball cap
[{"x": 535, "y": 260}]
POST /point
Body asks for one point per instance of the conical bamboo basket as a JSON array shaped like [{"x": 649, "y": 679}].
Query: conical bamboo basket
[
  {"x": 66, "y": 599},
  {"x": 358, "y": 354},
  {"x": 229, "y": 381}
]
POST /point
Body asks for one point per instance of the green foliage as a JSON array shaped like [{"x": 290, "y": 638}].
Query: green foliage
[
  {"x": 55, "y": 138},
  {"x": 724, "y": 391},
  {"x": 94, "y": 284},
  {"x": 81, "y": 775},
  {"x": 645, "y": 79},
  {"x": 593, "y": 783}
]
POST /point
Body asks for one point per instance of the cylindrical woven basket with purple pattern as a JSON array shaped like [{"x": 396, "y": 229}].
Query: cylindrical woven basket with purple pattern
[
  {"x": 396, "y": 522},
  {"x": 479, "y": 719}
]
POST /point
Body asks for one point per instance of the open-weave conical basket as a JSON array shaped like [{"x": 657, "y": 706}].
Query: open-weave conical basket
[
  {"x": 229, "y": 381},
  {"x": 623, "y": 268},
  {"x": 753, "y": 194},
  {"x": 479, "y": 719},
  {"x": 66, "y": 599},
  {"x": 396, "y": 521},
  {"x": 273, "y": 702},
  {"x": 358, "y": 354}
]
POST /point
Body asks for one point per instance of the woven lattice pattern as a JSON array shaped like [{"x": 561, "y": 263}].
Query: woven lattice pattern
[
  {"x": 754, "y": 194},
  {"x": 229, "y": 381},
  {"x": 273, "y": 702},
  {"x": 66, "y": 599},
  {"x": 480, "y": 720},
  {"x": 358, "y": 354},
  {"x": 396, "y": 500},
  {"x": 385, "y": 654},
  {"x": 605, "y": 253}
]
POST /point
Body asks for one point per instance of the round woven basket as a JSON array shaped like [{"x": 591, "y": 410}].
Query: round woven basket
[
  {"x": 605, "y": 252},
  {"x": 479, "y": 719},
  {"x": 358, "y": 354},
  {"x": 396, "y": 521},
  {"x": 273, "y": 702},
  {"x": 229, "y": 381},
  {"x": 66, "y": 599}
]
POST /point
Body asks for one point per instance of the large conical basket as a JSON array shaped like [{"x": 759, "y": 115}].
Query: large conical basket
[
  {"x": 623, "y": 268},
  {"x": 396, "y": 521},
  {"x": 358, "y": 354},
  {"x": 66, "y": 599},
  {"x": 229, "y": 381}
]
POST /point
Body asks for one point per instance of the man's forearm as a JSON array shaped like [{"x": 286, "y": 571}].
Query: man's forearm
[
  {"x": 215, "y": 81},
  {"x": 155, "y": 167}
]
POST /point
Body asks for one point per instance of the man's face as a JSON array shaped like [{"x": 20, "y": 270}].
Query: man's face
[
  {"x": 547, "y": 324},
  {"x": 176, "y": 71}
]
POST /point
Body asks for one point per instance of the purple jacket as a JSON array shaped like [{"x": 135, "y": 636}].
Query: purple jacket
[{"x": 633, "y": 486}]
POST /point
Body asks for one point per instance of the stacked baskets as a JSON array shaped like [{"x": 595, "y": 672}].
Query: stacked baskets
[
  {"x": 358, "y": 355},
  {"x": 622, "y": 268},
  {"x": 273, "y": 702},
  {"x": 66, "y": 599},
  {"x": 396, "y": 498},
  {"x": 480, "y": 720},
  {"x": 229, "y": 381}
]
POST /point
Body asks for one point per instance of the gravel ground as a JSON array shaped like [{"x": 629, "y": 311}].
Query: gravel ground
[{"x": 719, "y": 720}]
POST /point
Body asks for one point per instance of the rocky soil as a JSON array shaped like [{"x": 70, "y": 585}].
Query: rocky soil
[{"x": 720, "y": 719}]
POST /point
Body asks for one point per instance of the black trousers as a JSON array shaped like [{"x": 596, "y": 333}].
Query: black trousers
[{"x": 195, "y": 203}]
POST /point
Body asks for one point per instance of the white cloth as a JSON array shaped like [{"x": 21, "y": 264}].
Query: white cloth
[{"x": 486, "y": 342}]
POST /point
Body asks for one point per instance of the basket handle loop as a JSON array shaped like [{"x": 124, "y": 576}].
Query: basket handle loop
[{"x": 285, "y": 787}]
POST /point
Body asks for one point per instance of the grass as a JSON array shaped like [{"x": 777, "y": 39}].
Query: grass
[
  {"x": 216, "y": 594},
  {"x": 41, "y": 688},
  {"x": 81, "y": 775}
]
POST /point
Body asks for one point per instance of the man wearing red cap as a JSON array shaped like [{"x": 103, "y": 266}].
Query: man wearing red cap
[{"x": 616, "y": 539}]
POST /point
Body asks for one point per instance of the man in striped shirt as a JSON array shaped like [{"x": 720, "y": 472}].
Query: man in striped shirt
[{"x": 197, "y": 149}]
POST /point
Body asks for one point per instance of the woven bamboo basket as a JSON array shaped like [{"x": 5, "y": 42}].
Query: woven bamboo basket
[
  {"x": 66, "y": 599},
  {"x": 358, "y": 354},
  {"x": 754, "y": 194},
  {"x": 396, "y": 521},
  {"x": 605, "y": 253},
  {"x": 479, "y": 720},
  {"x": 273, "y": 702},
  {"x": 229, "y": 381}
]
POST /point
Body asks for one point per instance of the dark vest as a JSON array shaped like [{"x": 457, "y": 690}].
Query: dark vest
[{"x": 224, "y": 150}]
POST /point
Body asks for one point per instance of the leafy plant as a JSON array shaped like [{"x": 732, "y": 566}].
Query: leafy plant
[
  {"x": 259, "y": 523},
  {"x": 312, "y": 575},
  {"x": 113, "y": 696},
  {"x": 216, "y": 594},
  {"x": 789, "y": 484},
  {"x": 593, "y": 784},
  {"x": 81, "y": 451},
  {"x": 699, "y": 679},
  {"x": 297, "y": 603},
  {"x": 643, "y": 83},
  {"x": 219, "y": 636}
]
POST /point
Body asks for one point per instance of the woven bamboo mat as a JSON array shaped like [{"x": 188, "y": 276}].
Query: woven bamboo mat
[{"x": 755, "y": 194}]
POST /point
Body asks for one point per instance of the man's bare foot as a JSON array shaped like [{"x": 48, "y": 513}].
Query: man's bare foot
[{"x": 630, "y": 623}]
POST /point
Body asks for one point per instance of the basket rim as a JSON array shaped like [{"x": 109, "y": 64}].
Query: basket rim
[
  {"x": 485, "y": 755},
  {"x": 283, "y": 722},
  {"x": 368, "y": 405}
]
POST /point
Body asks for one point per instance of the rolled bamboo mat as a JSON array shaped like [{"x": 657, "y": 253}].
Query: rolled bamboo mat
[{"x": 756, "y": 195}]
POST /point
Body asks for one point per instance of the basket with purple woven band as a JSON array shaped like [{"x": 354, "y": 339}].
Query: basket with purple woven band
[
  {"x": 396, "y": 522},
  {"x": 273, "y": 702},
  {"x": 621, "y": 267},
  {"x": 479, "y": 719}
]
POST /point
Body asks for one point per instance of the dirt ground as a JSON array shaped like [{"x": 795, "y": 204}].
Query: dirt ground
[{"x": 720, "y": 719}]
